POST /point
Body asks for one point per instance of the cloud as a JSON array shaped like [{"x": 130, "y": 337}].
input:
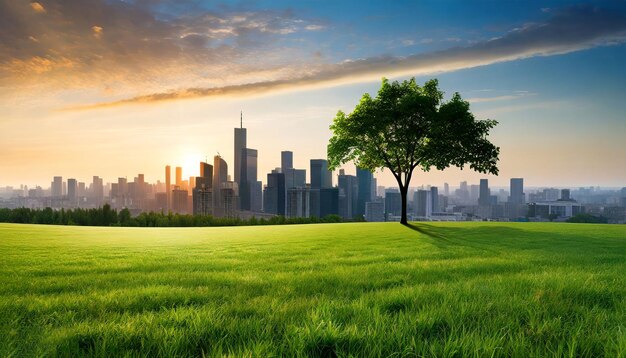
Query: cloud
[
  {"x": 37, "y": 7},
  {"x": 97, "y": 31},
  {"x": 142, "y": 46},
  {"x": 570, "y": 30}
]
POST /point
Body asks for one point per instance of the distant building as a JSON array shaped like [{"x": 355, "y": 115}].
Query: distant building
[
  {"x": 298, "y": 202},
  {"x": 374, "y": 211},
  {"x": 72, "y": 191},
  {"x": 348, "y": 196},
  {"x": 393, "y": 203},
  {"x": 248, "y": 178},
  {"x": 434, "y": 197},
  {"x": 56, "y": 188},
  {"x": 484, "y": 197},
  {"x": 557, "y": 209},
  {"x": 229, "y": 196},
  {"x": 274, "y": 194},
  {"x": 168, "y": 187},
  {"x": 423, "y": 203},
  {"x": 321, "y": 177},
  {"x": 180, "y": 200},
  {"x": 329, "y": 202},
  {"x": 220, "y": 176},
  {"x": 202, "y": 193},
  {"x": 286, "y": 160},
  {"x": 365, "y": 178},
  {"x": 517, "y": 191}
]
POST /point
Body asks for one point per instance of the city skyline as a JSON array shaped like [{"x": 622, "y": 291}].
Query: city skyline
[{"x": 555, "y": 90}]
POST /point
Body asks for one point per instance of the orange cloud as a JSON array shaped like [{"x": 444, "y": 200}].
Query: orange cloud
[
  {"x": 37, "y": 7},
  {"x": 97, "y": 31}
]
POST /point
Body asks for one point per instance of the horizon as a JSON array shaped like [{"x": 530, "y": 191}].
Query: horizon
[{"x": 121, "y": 88}]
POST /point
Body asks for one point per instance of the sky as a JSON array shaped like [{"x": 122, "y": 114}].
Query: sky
[{"x": 117, "y": 88}]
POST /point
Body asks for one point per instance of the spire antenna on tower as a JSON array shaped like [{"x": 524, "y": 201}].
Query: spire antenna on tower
[{"x": 241, "y": 119}]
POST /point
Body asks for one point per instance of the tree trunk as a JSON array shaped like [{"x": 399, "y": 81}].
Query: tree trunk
[{"x": 403, "y": 192}]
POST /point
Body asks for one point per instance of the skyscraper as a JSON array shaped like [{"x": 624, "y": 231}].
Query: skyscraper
[
  {"x": 364, "y": 177},
  {"x": 168, "y": 188},
  {"x": 240, "y": 144},
  {"x": 422, "y": 201},
  {"x": 434, "y": 196},
  {"x": 286, "y": 160},
  {"x": 446, "y": 189},
  {"x": 56, "y": 189},
  {"x": 274, "y": 195},
  {"x": 202, "y": 198},
  {"x": 179, "y": 176},
  {"x": 220, "y": 175},
  {"x": 484, "y": 198},
  {"x": 321, "y": 177},
  {"x": 248, "y": 179},
  {"x": 348, "y": 196},
  {"x": 517, "y": 191},
  {"x": 72, "y": 191},
  {"x": 329, "y": 202}
]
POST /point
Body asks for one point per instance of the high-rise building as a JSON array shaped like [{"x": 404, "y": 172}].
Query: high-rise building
[
  {"x": 274, "y": 195},
  {"x": 423, "y": 203},
  {"x": 56, "y": 188},
  {"x": 240, "y": 145},
  {"x": 329, "y": 202},
  {"x": 565, "y": 196},
  {"x": 446, "y": 189},
  {"x": 321, "y": 177},
  {"x": 179, "y": 176},
  {"x": 97, "y": 190},
  {"x": 72, "y": 191},
  {"x": 434, "y": 196},
  {"x": 202, "y": 192},
  {"x": 484, "y": 197},
  {"x": 517, "y": 191},
  {"x": 364, "y": 195},
  {"x": 375, "y": 211},
  {"x": 348, "y": 195},
  {"x": 180, "y": 200},
  {"x": 393, "y": 203},
  {"x": 248, "y": 178},
  {"x": 220, "y": 175},
  {"x": 294, "y": 178},
  {"x": 286, "y": 160},
  {"x": 298, "y": 202},
  {"x": 168, "y": 188}
]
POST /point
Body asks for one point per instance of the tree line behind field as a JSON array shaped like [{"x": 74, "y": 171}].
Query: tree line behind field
[{"x": 106, "y": 216}]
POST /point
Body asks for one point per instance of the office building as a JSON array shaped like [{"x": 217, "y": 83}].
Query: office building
[
  {"x": 180, "y": 200},
  {"x": 56, "y": 187},
  {"x": 298, "y": 202},
  {"x": 484, "y": 198},
  {"x": 375, "y": 211},
  {"x": 72, "y": 191},
  {"x": 393, "y": 203},
  {"x": 240, "y": 145},
  {"x": 202, "y": 193},
  {"x": 286, "y": 160},
  {"x": 321, "y": 177},
  {"x": 434, "y": 196},
  {"x": 179, "y": 177},
  {"x": 348, "y": 195},
  {"x": 168, "y": 187},
  {"x": 365, "y": 178},
  {"x": 517, "y": 191},
  {"x": 423, "y": 203},
  {"x": 274, "y": 194},
  {"x": 329, "y": 202},
  {"x": 220, "y": 175},
  {"x": 248, "y": 178}
]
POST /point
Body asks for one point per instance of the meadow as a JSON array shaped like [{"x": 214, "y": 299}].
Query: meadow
[{"x": 353, "y": 289}]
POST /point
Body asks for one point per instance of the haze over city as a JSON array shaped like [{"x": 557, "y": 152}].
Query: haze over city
[{"x": 116, "y": 88}]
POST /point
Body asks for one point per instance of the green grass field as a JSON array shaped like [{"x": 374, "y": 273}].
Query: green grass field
[{"x": 367, "y": 289}]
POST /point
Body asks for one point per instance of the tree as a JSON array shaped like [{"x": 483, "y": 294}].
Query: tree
[{"x": 408, "y": 126}]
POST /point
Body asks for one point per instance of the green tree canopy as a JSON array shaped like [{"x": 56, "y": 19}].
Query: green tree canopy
[{"x": 408, "y": 126}]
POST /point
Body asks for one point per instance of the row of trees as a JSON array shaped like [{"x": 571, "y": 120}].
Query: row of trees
[{"x": 105, "y": 216}]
